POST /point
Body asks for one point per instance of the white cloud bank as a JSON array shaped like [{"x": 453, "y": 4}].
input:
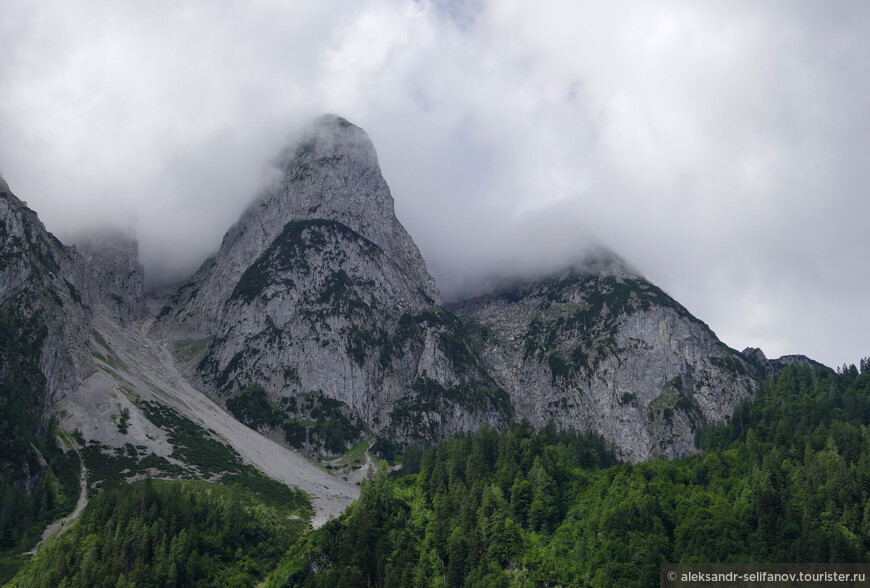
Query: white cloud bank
[{"x": 720, "y": 147}]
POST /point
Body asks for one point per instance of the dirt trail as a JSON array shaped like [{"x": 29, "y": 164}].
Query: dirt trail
[
  {"x": 149, "y": 371},
  {"x": 63, "y": 524}
]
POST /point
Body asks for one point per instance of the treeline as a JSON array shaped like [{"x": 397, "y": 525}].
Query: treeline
[
  {"x": 160, "y": 533},
  {"x": 48, "y": 491},
  {"x": 786, "y": 480},
  {"x": 464, "y": 517}
]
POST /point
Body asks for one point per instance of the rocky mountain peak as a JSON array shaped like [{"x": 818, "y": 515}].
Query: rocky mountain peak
[
  {"x": 320, "y": 298},
  {"x": 601, "y": 261},
  {"x": 330, "y": 172},
  {"x": 331, "y": 137},
  {"x": 597, "y": 347}
]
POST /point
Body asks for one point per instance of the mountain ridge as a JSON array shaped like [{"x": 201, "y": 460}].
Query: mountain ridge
[
  {"x": 317, "y": 328},
  {"x": 600, "y": 348},
  {"x": 333, "y": 160},
  {"x": 318, "y": 292},
  {"x": 603, "y": 348}
]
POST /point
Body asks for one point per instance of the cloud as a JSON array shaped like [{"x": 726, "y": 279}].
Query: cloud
[{"x": 719, "y": 147}]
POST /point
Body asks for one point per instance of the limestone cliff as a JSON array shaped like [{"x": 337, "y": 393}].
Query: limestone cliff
[
  {"x": 115, "y": 273},
  {"x": 45, "y": 302},
  {"x": 331, "y": 172},
  {"x": 597, "y": 347},
  {"x": 319, "y": 290},
  {"x": 317, "y": 321}
]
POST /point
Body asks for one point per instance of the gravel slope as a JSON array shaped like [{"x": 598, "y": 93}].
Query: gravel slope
[{"x": 148, "y": 370}]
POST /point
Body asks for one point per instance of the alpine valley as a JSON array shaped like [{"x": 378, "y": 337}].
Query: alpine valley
[{"x": 306, "y": 410}]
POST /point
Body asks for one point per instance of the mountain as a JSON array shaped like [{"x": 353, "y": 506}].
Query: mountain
[
  {"x": 332, "y": 173},
  {"x": 317, "y": 323},
  {"x": 317, "y": 326},
  {"x": 44, "y": 327},
  {"x": 318, "y": 307},
  {"x": 597, "y": 347},
  {"x": 45, "y": 312},
  {"x": 319, "y": 297}
]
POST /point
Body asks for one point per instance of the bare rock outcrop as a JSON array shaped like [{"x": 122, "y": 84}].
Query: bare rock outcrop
[
  {"x": 331, "y": 172},
  {"x": 114, "y": 273},
  {"x": 319, "y": 290},
  {"x": 45, "y": 300},
  {"x": 599, "y": 348}
]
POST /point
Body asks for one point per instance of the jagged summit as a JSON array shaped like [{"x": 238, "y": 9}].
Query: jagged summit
[
  {"x": 330, "y": 172},
  {"x": 4, "y": 187},
  {"x": 319, "y": 295},
  {"x": 334, "y": 138}
]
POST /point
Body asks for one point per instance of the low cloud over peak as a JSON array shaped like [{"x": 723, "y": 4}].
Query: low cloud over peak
[{"x": 719, "y": 147}]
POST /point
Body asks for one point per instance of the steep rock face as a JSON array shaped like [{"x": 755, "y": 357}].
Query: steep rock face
[
  {"x": 318, "y": 291},
  {"x": 45, "y": 308},
  {"x": 600, "y": 348},
  {"x": 325, "y": 310},
  {"x": 115, "y": 274},
  {"x": 330, "y": 173}
]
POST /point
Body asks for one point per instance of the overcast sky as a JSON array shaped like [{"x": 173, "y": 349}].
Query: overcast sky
[{"x": 722, "y": 148}]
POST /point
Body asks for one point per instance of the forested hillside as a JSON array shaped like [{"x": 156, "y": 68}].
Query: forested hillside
[
  {"x": 155, "y": 533},
  {"x": 788, "y": 480}
]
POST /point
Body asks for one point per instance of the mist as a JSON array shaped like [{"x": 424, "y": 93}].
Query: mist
[{"x": 720, "y": 147}]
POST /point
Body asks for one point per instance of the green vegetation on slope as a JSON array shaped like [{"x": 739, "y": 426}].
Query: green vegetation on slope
[
  {"x": 311, "y": 422},
  {"x": 252, "y": 407},
  {"x": 22, "y": 384},
  {"x": 38, "y": 481},
  {"x": 205, "y": 457},
  {"x": 788, "y": 480},
  {"x": 154, "y": 533},
  {"x": 467, "y": 508},
  {"x": 320, "y": 423}
]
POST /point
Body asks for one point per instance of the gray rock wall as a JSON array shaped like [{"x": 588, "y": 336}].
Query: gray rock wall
[
  {"x": 608, "y": 352},
  {"x": 45, "y": 284},
  {"x": 331, "y": 173},
  {"x": 319, "y": 289},
  {"x": 115, "y": 274}
]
